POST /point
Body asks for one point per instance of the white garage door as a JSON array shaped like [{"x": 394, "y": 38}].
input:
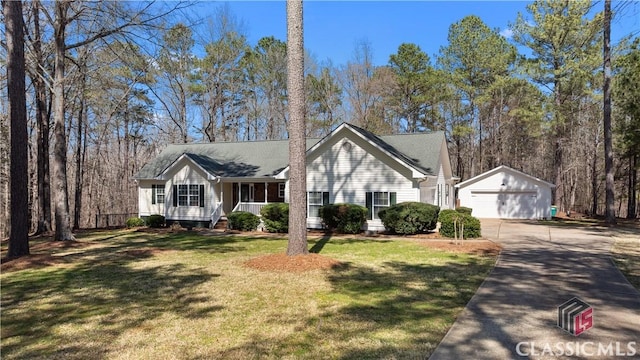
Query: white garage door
[{"x": 505, "y": 205}]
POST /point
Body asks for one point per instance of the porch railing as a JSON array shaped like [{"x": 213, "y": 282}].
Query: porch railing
[
  {"x": 252, "y": 207},
  {"x": 216, "y": 214}
]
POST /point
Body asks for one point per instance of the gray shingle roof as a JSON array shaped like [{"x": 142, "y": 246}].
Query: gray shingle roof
[{"x": 268, "y": 158}]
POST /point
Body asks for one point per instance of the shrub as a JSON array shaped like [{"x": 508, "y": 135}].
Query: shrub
[
  {"x": 155, "y": 221},
  {"x": 410, "y": 217},
  {"x": 464, "y": 210},
  {"x": 344, "y": 218},
  {"x": 134, "y": 222},
  {"x": 447, "y": 218},
  {"x": 243, "y": 221},
  {"x": 276, "y": 217}
]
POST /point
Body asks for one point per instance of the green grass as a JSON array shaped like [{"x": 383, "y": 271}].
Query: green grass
[
  {"x": 136, "y": 295},
  {"x": 626, "y": 255}
]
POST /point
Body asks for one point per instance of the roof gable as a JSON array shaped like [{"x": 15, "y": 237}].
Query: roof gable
[
  {"x": 398, "y": 147},
  {"x": 498, "y": 170}
]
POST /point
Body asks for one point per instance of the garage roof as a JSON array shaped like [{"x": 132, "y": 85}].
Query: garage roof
[{"x": 499, "y": 169}]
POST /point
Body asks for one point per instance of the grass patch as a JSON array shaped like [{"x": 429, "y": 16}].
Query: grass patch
[
  {"x": 626, "y": 255},
  {"x": 144, "y": 295}
]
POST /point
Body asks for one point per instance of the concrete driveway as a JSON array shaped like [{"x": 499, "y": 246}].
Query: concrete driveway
[{"x": 513, "y": 315}]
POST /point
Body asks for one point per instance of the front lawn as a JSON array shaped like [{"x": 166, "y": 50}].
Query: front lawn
[
  {"x": 190, "y": 295},
  {"x": 626, "y": 254}
]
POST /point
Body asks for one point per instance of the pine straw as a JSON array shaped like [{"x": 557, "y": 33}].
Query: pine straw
[{"x": 281, "y": 262}]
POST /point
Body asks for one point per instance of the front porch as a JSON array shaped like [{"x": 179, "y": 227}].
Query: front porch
[{"x": 250, "y": 196}]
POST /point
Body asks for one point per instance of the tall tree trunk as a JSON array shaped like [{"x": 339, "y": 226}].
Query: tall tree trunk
[
  {"x": 297, "y": 143},
  {"x": 42, "y": 117},
  {"x": 632, "y": 199},
  {"x": 610, "y": 216},
  {"x": 62, "y": 220},
  {"x": 77, "y": 203},
  {"x": 594, "y": 183},
  {"x": 14, "y": 27}
]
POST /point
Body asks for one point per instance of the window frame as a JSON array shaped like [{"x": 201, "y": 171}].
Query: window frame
[
  {"x": 183, "y": 194},
  {"x": 281, "y": 190},
  {"x": 323, "y": 200},
  {"x": 373, "y": 208},
  {"x": 158, "y": 194},
  {"x": 188, "y": 195}
]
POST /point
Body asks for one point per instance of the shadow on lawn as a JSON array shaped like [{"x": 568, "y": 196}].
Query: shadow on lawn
[
  {"x": 319, "y": 244},
  {"x": 104, "y": 288},
  {"x": 369, "y": 307}
]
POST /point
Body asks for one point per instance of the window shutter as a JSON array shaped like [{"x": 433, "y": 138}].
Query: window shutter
[
  {"x": 392, "y": 198},
  {"x": 370, "y": 205},
  {"x": 325, "y": 198},
  {"x": 153, "y": 194},
  {"x": 201, "y": 195},
  {"x": 175, "y": 195}
]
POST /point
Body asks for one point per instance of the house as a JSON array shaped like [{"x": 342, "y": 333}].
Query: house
[
  {"x": 506, "y": 193},
  {"x": 204, "y": 182}
]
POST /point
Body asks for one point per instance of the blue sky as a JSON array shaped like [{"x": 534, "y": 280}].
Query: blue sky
[{"x": 332, "y": 28}]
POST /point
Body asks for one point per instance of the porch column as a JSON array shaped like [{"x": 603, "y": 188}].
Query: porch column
[{"x": 266, "y": 185}]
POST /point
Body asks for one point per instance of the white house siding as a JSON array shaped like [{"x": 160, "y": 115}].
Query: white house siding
[
  {"x": 145, "y": 206},
  {"x": 348, "y": 172},
  {"x": 521, "y": 197},
  {"x": 188, "y": 174},
  {"x": 428, "y": 191}
]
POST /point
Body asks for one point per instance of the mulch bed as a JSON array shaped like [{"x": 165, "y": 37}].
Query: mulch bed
[{"x": 281, "y": 262}]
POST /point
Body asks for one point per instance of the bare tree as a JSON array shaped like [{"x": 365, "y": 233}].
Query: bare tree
[
  {"x": 14, "y": 26},
  {"x": 297, "y": 142},
  {"x": 37, "y": 75}
]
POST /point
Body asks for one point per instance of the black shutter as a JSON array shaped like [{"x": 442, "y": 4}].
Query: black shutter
[
  {"x": 201, "y": 195},
  {"x": 392, "y": 198},
  {"x": 370, "y": 205},
  {"x": 153, "y": 194},
  {"x": 175, "y": 195},
  {"x": 325, "y": 198}
]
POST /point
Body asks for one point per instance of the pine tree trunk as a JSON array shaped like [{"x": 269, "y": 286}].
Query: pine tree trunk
[
  {"x": 14, "y": 27},
  {"x": 61, "y": 198},
  {"x": 297, "y": 143},
  {"x": 610, "y": 216}
]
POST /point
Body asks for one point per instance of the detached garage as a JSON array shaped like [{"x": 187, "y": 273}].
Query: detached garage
[{"x": 506, "y": 193}]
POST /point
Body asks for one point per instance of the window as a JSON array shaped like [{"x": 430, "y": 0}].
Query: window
[
  {"x": 281, "y": 187},
  {"x": 183, "y": 195},
  {"x": 378, "y": 200},
  {"x": 194, "y": 195},
  {"x": 315, "y": 199},
  {"x": 446, "y": 194},
  {"x": 157, "y": 194},
  {"x": 188, "y": 195}
]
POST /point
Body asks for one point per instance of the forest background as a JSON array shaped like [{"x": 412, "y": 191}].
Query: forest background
[{"x": 141, "y": 75}]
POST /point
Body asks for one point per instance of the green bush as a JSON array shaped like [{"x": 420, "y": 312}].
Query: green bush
[
  {"x": 464, "y": 210},
  {"x": 410, "y": 217},
  {"x": 447, "y": 218},
  {"x": 155, "y": 221},
  {"x": 344, "y": 218},
  {"x": 276, "y": 217},
  {"x": 243, "y": 221},
  {"x": 135, "y": 222}
]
